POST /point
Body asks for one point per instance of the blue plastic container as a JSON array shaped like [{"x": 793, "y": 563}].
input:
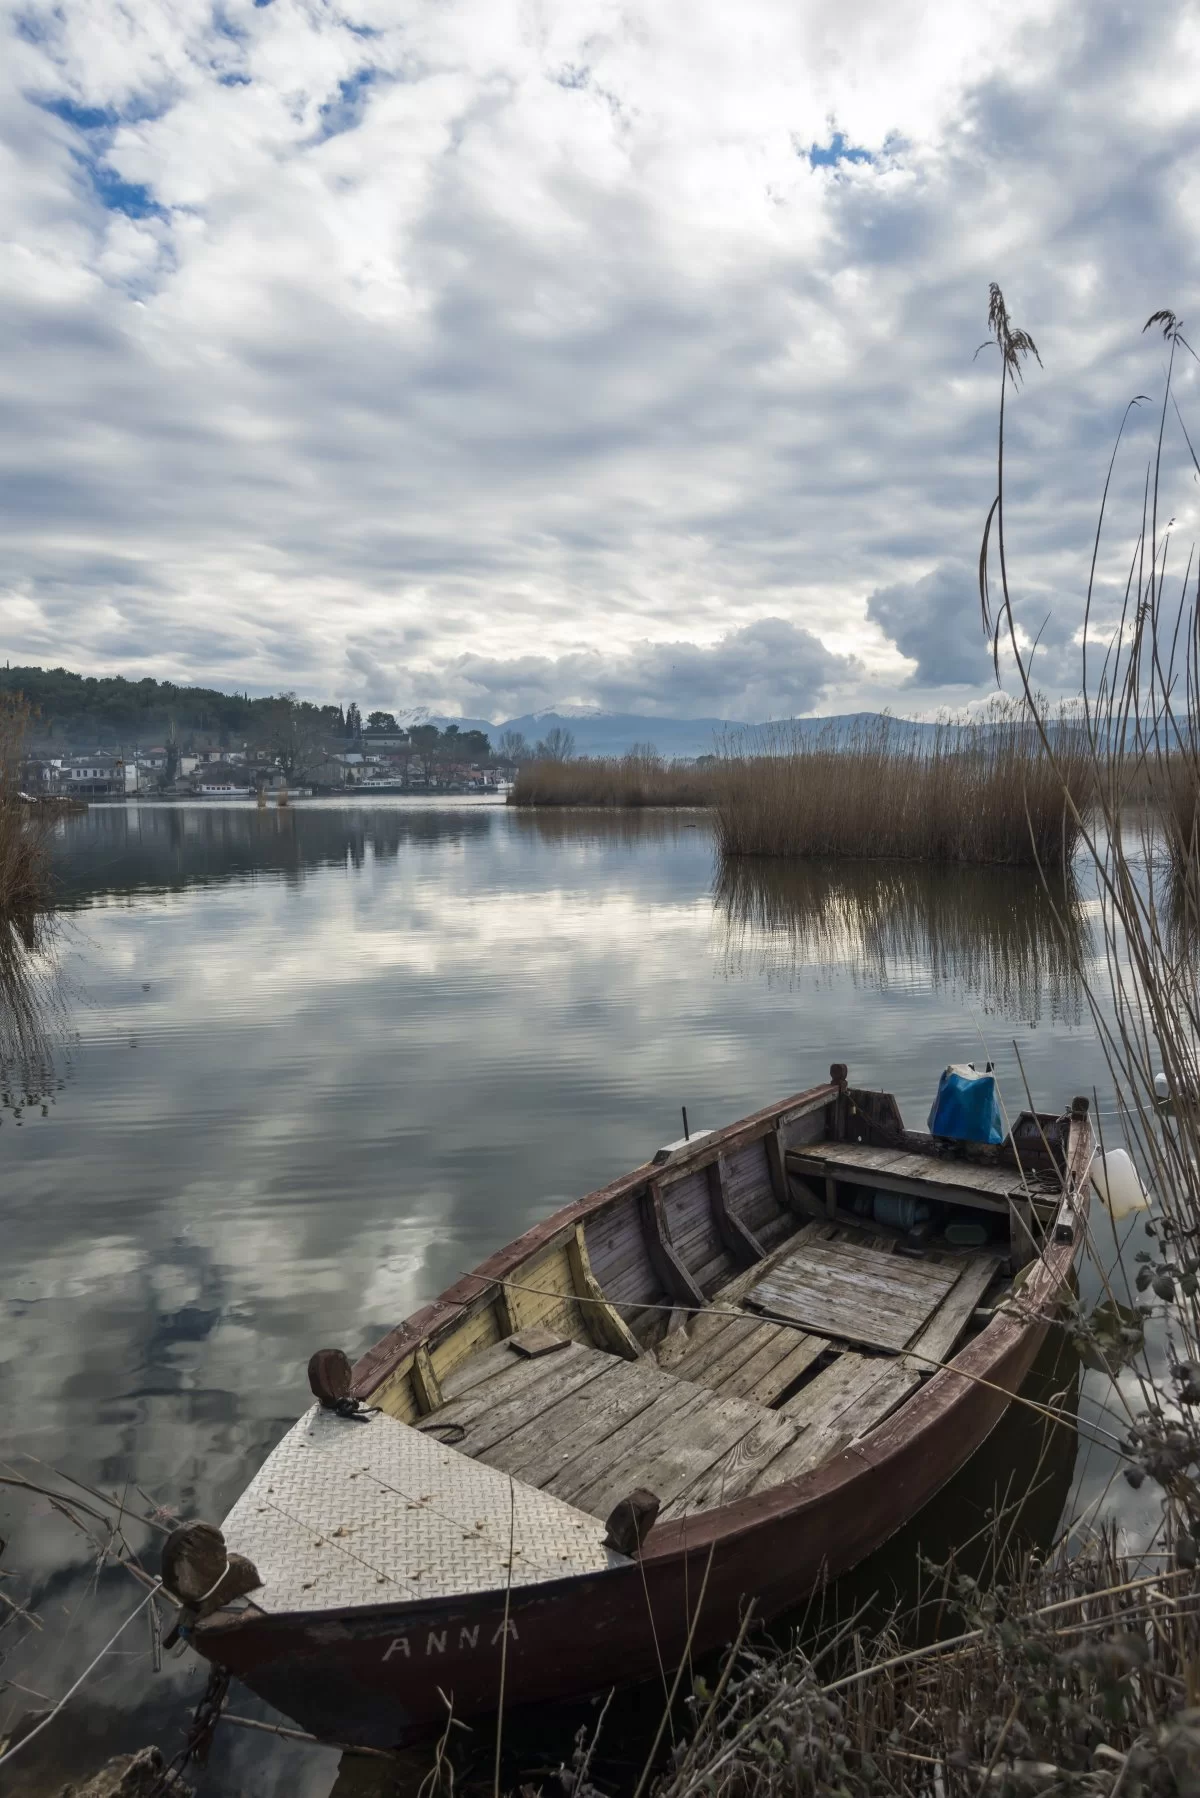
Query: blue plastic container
[{"x": 966, "y": 1108}]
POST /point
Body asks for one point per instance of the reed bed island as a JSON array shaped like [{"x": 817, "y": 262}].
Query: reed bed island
[{"x": 980, "y": 789}]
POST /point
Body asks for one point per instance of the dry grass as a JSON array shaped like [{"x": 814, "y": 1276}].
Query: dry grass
[
  {"x": 1070, "y": 1678},
  {"x": 24, "y": 871},
  {"x": 637, "y": 779},
  {"x": 978, "y": 790},
  {"x": 25, "y": 917}
]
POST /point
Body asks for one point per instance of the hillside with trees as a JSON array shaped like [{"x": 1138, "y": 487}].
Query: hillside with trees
[{"x": 108, "y": 712}]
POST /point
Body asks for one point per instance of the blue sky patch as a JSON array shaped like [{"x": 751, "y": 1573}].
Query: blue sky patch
[
  {"x": 97, "y": 125},
  {"x": 344, "y": 113},
  {"x": 133, "y": 198},
  {"x": 84, "y": 118},
  {"x": 827, "y": 156}
]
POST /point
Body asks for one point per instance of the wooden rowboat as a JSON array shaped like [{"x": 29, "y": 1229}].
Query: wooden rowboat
[{"x": 720, "y": 1374}]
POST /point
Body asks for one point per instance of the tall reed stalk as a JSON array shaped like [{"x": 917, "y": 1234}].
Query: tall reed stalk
[
  {"x": 977, "y": 790},
  {"x": 1082, "y": 1674},
  {"x": 1140, "y": 680}
]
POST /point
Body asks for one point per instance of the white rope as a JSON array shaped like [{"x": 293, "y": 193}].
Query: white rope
[
  {"x": 92, "y": 1665},
  {"x": 192, "y": 1603}
]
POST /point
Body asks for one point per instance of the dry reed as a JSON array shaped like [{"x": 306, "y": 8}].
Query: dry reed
[
  {"x": 27, "y": 991},
  {"x": 23, "y": 832},
  {"x": 640, "y": 778},
  {"x": 974, "y": 790},
  {"x": 1067, "y": 1679}
]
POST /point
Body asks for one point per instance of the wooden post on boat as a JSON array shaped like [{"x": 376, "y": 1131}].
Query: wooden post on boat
[
  {"x": 836, "y": 1127},
  {"x": 839, "y": 1075}
]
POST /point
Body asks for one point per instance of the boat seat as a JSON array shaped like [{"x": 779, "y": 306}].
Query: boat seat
[
  {"x": 951, "y": 1181},
  {"x": 861, "y": 1295}
]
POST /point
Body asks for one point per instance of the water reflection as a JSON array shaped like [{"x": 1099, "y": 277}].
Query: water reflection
[
  {"x": 32, "y": 1015},
  {"x": 329, "y": 1059},
  {"x": 993, "y": 934},
  {"x": 164, "y": 848},
  {"x": 598, "y": 824}
]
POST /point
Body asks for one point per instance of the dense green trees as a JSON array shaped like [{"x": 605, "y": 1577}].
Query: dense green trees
[
  {"x": 89, "y": 711},
  {"x": 106, "y": 709}
]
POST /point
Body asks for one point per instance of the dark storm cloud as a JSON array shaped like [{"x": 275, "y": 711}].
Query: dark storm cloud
[
  {"x": 769, "y": 669},
  {"x": 936, "y": 623}
]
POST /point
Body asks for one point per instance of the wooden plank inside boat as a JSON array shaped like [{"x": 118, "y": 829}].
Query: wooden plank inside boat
[
  {"x": 954, "y": 1181},
  {"x": 846, "y": 1399},
  {"x": 937, "y": 1340},
  {"x": 779, "y": 1362},
  {"x": 495, "y": 1408},
  {"x": 853, "y": 1293},
  {"x": 690, "y": 1430}
]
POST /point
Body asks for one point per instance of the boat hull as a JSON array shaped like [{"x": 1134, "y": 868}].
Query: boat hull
[{"x": 384, "y": 1676}]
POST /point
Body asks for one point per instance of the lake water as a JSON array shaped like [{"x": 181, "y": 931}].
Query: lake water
[{"x": 318, "y": 1062}]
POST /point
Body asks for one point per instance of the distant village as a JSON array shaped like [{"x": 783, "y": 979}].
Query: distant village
[{"x": 338, "y": 754}]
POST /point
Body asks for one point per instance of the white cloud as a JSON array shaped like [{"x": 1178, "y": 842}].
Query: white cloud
[{"x": 427, "y": 353}]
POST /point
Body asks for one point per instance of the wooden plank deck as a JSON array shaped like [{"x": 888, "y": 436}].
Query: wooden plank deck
[
  {"x": 696, "y": 1427},
  {"x": 777, "y": 1364},
  {"x": 683, "y": 1442},
  {"x": 494, "y": 1408},
  {"x": 736, "y": 1472},
  {"x": 843, "y": 1290},
  {"x": 937, "y": 1340},
  {"x": 548, "y": 1441},
  {"x": 846, "y": 1399}
]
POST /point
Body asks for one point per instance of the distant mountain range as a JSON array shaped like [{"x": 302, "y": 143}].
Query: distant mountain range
[{"x": 615, "y": 733}]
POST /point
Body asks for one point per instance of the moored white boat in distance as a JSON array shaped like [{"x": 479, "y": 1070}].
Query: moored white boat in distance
[{"x": 724, "y": 1372}]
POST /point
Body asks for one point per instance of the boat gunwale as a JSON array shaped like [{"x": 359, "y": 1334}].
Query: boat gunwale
[{"x": 477, "y": 1289}]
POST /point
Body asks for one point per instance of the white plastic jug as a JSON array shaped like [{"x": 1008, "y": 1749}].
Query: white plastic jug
[{"x": 1116, "y": 1180}]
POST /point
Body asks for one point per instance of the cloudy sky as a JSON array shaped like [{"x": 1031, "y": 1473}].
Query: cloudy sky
[{"x": 494, "y": 356}]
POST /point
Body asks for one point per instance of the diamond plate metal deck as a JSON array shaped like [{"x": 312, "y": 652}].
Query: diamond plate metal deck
[{"x": 345, "y": 1513}]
